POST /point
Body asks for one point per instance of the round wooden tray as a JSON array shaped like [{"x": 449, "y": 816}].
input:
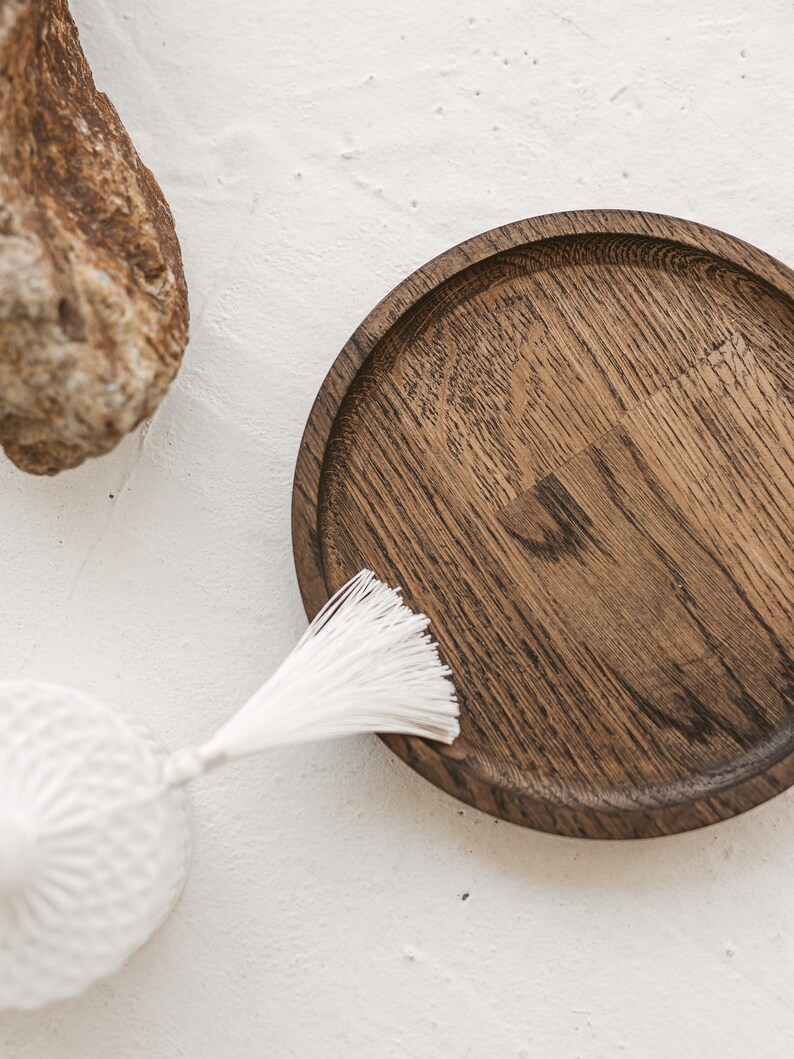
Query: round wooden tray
[{"x": 570, "y": 441}]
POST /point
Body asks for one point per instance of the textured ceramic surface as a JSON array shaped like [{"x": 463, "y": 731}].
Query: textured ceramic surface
[{"x": 95, "y": 848}]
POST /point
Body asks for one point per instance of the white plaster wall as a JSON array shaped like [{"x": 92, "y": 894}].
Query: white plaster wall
[{"x": 314, "y": 154}]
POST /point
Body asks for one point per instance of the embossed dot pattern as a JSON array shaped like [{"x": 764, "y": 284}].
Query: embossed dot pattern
[{"x": 110, "y": 844}]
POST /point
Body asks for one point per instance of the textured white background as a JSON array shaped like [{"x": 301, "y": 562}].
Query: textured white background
[{"x": 314, "y": 153}]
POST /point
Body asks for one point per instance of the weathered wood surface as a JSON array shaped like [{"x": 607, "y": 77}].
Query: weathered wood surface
[{"x": 570, "y": 441}]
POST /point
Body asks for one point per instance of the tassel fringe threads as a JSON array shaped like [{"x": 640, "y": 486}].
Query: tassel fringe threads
[{"x": 365, "y": 664}]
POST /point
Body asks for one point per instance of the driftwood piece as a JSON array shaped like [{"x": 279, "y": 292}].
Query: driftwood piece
[{"x": 93, "y": 303}]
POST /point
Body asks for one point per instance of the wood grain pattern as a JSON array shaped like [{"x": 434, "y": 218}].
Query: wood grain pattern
[{"x": 570, "y": 441}]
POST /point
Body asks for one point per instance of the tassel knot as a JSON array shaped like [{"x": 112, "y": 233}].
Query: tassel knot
[{"x": 365, "y": 664}]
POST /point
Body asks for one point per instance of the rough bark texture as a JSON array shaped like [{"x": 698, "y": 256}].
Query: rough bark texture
[{"x": 93, "y": 303}]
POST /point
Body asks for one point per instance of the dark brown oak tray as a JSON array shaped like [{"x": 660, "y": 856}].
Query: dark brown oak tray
[{"x": 570, "y": 441}]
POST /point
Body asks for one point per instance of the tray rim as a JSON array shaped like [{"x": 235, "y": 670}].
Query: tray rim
[{"x": 468, "y": 776}]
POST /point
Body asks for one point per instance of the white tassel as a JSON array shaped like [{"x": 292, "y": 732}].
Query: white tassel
[{"x": 365, "y": 664}]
